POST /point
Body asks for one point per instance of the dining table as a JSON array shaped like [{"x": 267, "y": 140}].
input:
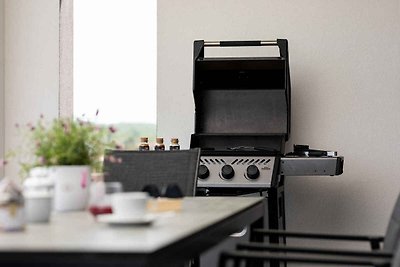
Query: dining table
[{"x": 79, "y": 239}]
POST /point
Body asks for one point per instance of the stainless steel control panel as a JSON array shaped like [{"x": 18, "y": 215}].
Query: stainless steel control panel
[{"x": 235, "y": 171}]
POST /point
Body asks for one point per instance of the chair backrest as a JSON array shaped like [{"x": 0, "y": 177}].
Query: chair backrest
[
  {"x": 396, "y": 258},
  {"x": 392, "y": 235},
  {"x": 136, "y": 169}
]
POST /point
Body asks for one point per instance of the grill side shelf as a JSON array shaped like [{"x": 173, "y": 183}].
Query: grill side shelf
[{"x": 311, "y": 166}]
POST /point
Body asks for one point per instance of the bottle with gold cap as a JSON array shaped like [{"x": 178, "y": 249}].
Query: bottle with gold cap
[
  {"x": 159, "y": 144},
  {"x": 144, "y": 144},
  {"x": 174, "y": 144}
]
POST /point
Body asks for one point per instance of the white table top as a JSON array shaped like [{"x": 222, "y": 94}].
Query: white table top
[{"x": 79, "y": 232}]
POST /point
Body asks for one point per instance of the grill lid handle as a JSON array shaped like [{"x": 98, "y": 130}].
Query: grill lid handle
[{"x": 240, "y": 43}]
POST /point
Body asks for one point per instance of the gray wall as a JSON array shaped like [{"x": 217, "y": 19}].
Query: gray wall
[
  {"x": 345, "y": 64},
  {"x": 31, "y": 66},
  {"x": 1, "y": 83}
]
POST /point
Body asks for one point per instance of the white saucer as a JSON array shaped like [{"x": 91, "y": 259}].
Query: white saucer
[{"x": 112, "y": 219}]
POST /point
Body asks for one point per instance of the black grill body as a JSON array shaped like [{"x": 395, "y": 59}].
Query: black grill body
[{"x": 242, "y": 109}]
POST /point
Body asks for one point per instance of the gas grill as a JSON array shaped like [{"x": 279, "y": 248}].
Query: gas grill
[{"x": 242, "y": 124}]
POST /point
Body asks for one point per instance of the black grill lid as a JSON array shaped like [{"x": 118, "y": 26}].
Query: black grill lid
[{"x": 247, "y": 96}]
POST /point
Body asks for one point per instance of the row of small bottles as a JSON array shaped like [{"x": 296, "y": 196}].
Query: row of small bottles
[{"x": 144, "y": 144}]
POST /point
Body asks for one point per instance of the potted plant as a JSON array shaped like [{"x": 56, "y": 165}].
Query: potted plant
[{"x": 71, "y": 150}]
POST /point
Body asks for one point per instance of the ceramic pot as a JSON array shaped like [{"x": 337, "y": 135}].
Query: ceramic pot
[{"x": 71, "y": 187}]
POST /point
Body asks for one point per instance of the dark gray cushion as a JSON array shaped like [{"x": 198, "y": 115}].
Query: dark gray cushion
[
  {"x": 396, "y": 258},
  {"x": 135, "y": 169},
  {"x": 393, "y": 231}
]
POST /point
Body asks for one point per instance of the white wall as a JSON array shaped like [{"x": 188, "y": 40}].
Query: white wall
[
  {"x": 345, "y": 65},
  {"x": 1, "y": 83},
  {"x": 31, "y": 65}
]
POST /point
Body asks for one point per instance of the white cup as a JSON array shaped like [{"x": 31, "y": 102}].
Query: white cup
[
  {"x": 38, "y": 194},
  {"x": 37, "y": 207},
  {"x": 129, "y": 205}
]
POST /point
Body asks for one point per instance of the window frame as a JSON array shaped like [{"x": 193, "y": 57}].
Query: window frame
[{"x": 66, "y": 59}]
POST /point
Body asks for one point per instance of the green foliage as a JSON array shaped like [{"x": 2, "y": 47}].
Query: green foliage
[
  {"x": 69, "y": 142},
  {"x": 73, "y": 142}
]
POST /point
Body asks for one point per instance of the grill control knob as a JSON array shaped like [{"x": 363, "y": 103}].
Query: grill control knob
[
  {"x": 203, "y": 172},
  {"x": 227, "y": 172},
  {"x": 252, "y": 172}
]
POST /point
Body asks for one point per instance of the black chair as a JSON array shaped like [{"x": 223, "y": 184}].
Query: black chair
[
  {"x": 390, "y": 241},
  {"x": 243, "y": 258},
  {"x": 137, "y": 169}
]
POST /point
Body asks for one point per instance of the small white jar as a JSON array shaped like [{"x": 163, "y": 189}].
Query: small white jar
[{"x": 38, "y": 195}]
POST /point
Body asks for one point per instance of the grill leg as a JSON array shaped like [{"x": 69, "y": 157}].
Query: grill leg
[{"x": 277, "y": 219}]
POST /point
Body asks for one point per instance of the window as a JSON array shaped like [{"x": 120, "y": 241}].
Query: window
[{"x": 115, "y": 52}]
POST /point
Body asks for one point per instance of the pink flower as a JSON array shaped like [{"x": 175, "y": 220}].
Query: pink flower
[
  {"x": 112, "y": 129},
  {"x": 3, "y": 162},
  {"x": 42, "y": 160},
  {"x": 118, "y": 146},
  {"x": 111, "y": 159},
  {"x": 67, "y": 128},
  {"x": 30, "y": 126}
]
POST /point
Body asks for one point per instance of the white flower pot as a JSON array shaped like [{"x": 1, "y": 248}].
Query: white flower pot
[{"x": 71, "y": 187}]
